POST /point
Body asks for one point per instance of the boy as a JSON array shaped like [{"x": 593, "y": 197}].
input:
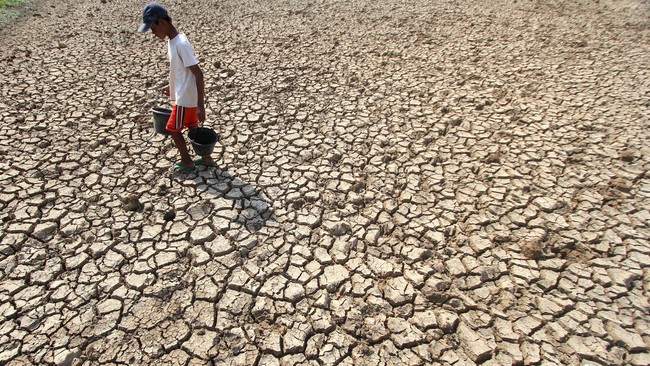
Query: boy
[{"x": 186, "y": 86}]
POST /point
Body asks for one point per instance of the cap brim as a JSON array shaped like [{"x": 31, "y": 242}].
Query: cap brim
[{"x": 145, "y": 27}]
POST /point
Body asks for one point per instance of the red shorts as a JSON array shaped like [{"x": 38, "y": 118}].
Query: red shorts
[{"x": 182, "y": 117}]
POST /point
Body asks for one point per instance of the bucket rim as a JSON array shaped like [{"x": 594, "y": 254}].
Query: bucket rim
[
  {"x": 162, "y": 110},
  {"x": 210, "y": 131}
]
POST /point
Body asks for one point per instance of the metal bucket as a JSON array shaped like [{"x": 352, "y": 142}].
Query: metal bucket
[
  {"x": 160, "y": 118},
  {"x": 203, "y": 140}
]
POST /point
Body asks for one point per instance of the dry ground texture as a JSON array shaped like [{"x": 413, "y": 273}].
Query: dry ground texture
[{"x": 398, "y": 183}]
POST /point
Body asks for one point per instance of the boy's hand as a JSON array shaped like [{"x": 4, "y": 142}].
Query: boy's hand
[
  {"x": 165, "y": 90},
  {"x": 200, "y": 113}
]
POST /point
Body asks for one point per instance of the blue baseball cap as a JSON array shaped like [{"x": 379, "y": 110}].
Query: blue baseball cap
[{"x": 151, "y": 13}]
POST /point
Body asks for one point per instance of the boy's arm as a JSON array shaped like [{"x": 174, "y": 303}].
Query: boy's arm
[{"x": 200, "y": 90}]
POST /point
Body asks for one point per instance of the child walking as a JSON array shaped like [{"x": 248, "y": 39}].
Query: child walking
[{"x": 186, "y": 85}]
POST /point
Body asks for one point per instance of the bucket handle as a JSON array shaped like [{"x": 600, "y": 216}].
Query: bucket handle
[{"x": 205, "y": 108}]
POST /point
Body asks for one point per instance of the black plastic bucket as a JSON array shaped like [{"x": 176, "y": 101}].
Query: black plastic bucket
[
  {"x": 160, "y": 118},
  {"x": 203, "y": 140}
]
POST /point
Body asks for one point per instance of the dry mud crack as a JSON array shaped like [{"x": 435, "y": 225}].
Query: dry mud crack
[{"x": 398, "y": 183}]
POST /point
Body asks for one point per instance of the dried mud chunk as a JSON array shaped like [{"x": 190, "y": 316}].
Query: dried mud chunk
[
  {"x": 131, "y": 203},
  {"x": 620, "y": 184},
  {"x": 169, "y": 216},
  {"x": 493, "y": 158},
  {"x": 627, "y": 156},
  {"x": 532, "y": 249}
]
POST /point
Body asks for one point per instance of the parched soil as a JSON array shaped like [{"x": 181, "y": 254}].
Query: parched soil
[{"x": 397, "y": 183}]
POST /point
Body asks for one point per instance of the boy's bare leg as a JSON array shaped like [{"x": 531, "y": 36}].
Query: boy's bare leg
[
  {"x": 207, "y": 160},
  {"x": 179, "y": 141}
]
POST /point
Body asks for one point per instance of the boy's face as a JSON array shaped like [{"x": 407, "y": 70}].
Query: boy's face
[{"x": 158, "y": 29}]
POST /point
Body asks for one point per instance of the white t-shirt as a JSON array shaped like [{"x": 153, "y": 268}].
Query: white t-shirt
[{"x": 182, "y": 83}]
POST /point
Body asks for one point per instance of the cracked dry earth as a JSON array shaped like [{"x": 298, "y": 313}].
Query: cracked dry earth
[{"x": 399, "y": 183}]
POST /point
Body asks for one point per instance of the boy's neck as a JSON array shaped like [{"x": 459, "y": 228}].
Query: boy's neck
[{"x": 172, "y": 32}]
